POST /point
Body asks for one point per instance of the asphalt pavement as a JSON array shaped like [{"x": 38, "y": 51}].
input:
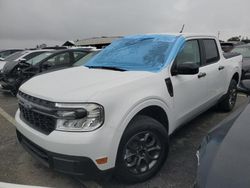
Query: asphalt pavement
[{"x": 179, "y": 171}]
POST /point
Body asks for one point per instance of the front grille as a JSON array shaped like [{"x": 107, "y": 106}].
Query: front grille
[
  {"x": 34, "y": 117},
  {"x": 36, "y": 100}
]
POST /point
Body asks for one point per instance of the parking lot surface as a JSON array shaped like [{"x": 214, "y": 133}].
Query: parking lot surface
[{"x": 17, "y": 166}]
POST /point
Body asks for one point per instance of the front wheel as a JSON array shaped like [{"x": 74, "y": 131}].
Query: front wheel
[
  {"x": 142, "y": 151},
  {"x": 229, "y": 101}
]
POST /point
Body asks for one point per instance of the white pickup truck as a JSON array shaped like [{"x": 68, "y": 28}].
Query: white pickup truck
[{"x": 117, "y": 112}]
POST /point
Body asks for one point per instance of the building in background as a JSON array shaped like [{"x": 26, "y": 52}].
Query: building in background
[{"x": 98, "y": 42}]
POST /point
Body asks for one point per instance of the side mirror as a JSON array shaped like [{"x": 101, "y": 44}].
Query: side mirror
[
  {"x": 1, "y": 59},
  {"x": 188, "y": 68},
  {"x": 23, "y": 63},
  {"x": 244, "y": 87}
]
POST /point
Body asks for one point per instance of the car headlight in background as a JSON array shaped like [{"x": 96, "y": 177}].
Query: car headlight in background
[{"x": 79, "y": 117}]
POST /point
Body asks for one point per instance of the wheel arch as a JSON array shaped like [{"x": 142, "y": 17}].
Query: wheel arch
[
  {"x": 157, "y": 113},
  {"x": 236, "y": 77}
]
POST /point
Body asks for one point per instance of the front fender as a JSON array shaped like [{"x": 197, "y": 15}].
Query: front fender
[{"x": 128, "y": 116}]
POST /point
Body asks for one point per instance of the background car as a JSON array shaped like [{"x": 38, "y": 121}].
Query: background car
[
  {"x": 244, "y": 50},
  {"x": 14, "y": 74},
  {"x": 12, "y": 61},
  {"x": 227, "y": 46},
  {"x": 22, "y": 55},
  {"x": 223, "y": 157}
]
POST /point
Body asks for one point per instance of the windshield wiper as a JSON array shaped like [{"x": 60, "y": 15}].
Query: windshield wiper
[{"x": 106, "y": 67}]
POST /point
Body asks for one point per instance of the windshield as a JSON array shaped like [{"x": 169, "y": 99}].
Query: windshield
[
  {"x": 85, "y": 59},
  {"x": 39, "y": 58},
  {"x": 135, "y": 53},
  {"x": 243, "y": 50},
  {"x": 6, "y": 53},
  {"x": 15, "y": 56}
]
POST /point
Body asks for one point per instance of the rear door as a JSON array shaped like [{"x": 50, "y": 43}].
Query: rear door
[
  {"x": 215, "y": 71},
  {"x": 190, "y": 91}
]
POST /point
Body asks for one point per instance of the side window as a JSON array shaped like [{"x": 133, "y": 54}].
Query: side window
[
  {"x": 32, "y": 55},
  {"x": 60, "y": 59},
  {"x": 189, "y": 54},
  {"x": 211, "y": 51},
  {"x": 78, "y": 55}
]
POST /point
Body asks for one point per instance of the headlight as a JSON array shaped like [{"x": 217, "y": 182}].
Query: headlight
[{"x": 79, "y": 117}]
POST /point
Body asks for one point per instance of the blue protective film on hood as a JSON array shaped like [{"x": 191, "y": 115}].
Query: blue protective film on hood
[{"x": 139, "y": 53}]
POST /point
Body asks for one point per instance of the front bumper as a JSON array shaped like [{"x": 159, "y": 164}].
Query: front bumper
[
  {"x": 73, "y": 165},
  {"x": 91, "y": 145}
]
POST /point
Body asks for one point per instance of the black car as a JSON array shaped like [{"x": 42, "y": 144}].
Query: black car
[
  {"x": 6, "y": 53},
  {"x": 244, "y": 50},
  {"x": 224, "y": 155},
  {"x": 16, "y": 73},
  {"x": 227, "y": 46}
]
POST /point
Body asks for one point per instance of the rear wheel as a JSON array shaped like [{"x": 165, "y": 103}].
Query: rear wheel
[
  {"x": 142, "y": 151},
  {"x": 229, "y": 101}
]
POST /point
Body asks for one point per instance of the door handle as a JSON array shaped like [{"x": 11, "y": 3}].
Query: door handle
[
  {"x": 202, "y": 74},
  {"x": 221, "y": 68}
]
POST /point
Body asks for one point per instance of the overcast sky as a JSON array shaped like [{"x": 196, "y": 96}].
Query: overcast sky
[{"x": 26, "y": 23}]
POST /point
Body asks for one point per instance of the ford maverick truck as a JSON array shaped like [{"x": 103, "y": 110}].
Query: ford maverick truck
[{"x": 117, "y": 111}]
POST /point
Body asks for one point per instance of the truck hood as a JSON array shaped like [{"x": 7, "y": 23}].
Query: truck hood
[{"x": 78, "y": 84}]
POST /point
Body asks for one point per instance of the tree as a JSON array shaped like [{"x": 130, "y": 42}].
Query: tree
[{"x": 237, "y": 39}]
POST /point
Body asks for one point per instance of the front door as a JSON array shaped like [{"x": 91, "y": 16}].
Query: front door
[{"x": 190, "y": 91}]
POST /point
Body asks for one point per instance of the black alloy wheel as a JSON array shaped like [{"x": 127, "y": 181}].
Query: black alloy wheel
[{"x": 142, "y": 151}]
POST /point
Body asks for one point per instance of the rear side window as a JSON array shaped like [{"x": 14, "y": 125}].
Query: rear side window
[
  {"x": 59, "y": 59},
  {"x": 79, "y": 55},
  {"x": 211, "y": 51}
]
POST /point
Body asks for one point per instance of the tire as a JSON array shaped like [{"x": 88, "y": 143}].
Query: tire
[
  {"x": 142, "y": 151},
  {"x": 228, "y": 103}
]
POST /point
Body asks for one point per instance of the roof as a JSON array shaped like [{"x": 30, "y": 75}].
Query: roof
[
  {"x": 84, "y": 49},
  {"x": 40, "y": 50},
  {"x": 185, "y": 35},
  {"x": 69, "y": 43},
  {"x": 108, "y": 40}
]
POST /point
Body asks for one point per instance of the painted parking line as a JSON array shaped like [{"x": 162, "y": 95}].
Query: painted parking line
[
  {"x": 10, "y": 185},
  {"x": 241, "y": 95},
  {"x": 7, "y": 116}
]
